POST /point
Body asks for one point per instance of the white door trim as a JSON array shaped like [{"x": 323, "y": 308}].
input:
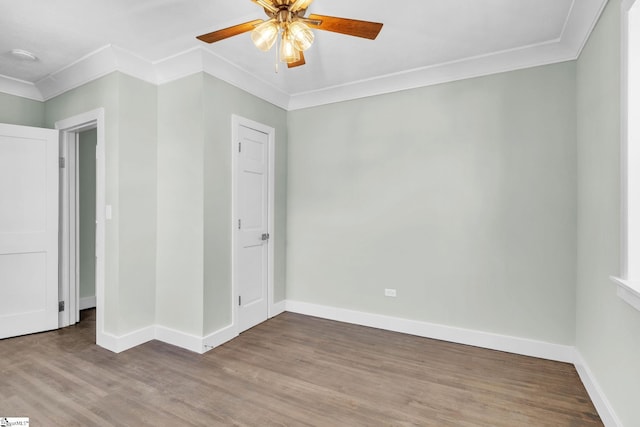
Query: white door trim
[
  {"x": 68, "y": 128},
  {"x": 68, "y": 261},
  {"x": 236, "y": 122}
]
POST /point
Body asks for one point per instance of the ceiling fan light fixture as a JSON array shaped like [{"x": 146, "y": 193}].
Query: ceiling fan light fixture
[
  {"x": 288, "y": 22},
  {"x": 300, "y": 5},
  {"x": 265, "y": 35},
  {"x": 301, "y": 34},
  {"x": 288, "y": 51}
]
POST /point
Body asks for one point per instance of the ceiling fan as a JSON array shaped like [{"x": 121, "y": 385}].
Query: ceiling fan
[{"x": 287, "y": 22}]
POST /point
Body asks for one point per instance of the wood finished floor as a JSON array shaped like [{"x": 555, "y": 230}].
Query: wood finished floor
[{"x": 291, "y": 370}]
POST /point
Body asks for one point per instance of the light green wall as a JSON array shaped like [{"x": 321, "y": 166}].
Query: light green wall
[
  {"x": 221, "y": 100},
  {"x": 180, "y": 205},
  {"x": 194, "y": 200},
  {"x": 137, "y": 170},
  {"x": 461, "y": 196},
  {"x": 168, "y": 166},
  {"x": 21, "y": 111},
  {"x": 87, "y": 211},
  {"x": 130, "y": 134},
  {"x": 608, "y": 329},
  {"x": 101, "y": 93}
]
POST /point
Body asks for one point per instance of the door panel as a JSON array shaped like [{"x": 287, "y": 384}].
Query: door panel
[
  {"x": 252, "y": 250},
  {"x": 28, "y": 230}
]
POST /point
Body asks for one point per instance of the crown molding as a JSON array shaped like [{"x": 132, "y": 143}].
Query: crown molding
[
  {"x": 581, "y": 20},
  {"x": 88, "y": 68},
  {"x": 201, "y": 60},
  {"x": 580, "y": 23},
  {"x": 19, "y": 88},
  {"x": 441, "y": 73}
]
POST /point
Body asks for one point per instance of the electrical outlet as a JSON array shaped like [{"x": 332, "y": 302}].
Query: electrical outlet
[{"x": 389, "y": 292}]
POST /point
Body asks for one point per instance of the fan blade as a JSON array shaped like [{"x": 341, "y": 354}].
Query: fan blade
[
  {"x": 350, "y": 27},
  {"x": 216, "y": 36},
  {"x": 298, "y": 63}
]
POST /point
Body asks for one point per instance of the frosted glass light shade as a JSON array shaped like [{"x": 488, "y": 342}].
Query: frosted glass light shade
[
  {"x": 288, "y": 51},
  {"x": 265, "y": 35},
  {"x": 301, "y": 34}
]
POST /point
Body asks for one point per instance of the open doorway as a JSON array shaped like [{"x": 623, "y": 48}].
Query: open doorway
[
  {"x": 82, "y": 218},
  {"x": 77, "y": 272}
]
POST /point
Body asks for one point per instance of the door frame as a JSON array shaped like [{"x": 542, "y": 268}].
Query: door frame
[
  {"x": 68, "y": 230},
  {"x": 236, "y": 122},
  {"x": 69, "y": 129}
]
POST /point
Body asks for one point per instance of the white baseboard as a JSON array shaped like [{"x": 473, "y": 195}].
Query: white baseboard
[
  {"x": 523, "y": 346},
  {"x": 179, "y": 339},
  {"x": 87, "y": 302},
  {"x": 118, "y": 344},
  {"x": 277, "y": 308},
  {"x": 600, "y": 401},
  {"x": 219, "y": 337},
  {"x": 510, "y": 344}
]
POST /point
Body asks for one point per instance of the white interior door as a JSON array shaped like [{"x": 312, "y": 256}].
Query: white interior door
[
  {"x": 28, "y": 230},
  {"x": 252, "y": 238}
]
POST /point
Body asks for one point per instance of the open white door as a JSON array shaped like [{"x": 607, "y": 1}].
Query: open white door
[
  {"x": 28, "y": 230},
  {"x": 252, "y": 240}
]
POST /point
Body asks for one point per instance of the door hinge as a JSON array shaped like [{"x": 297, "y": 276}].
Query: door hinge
[
  {"x": 60, "y": 306},
  {"x": 239, "y": 147},
  {"x": 239, "y": 224},
  {"x": 239, "y": 300},
  {"x": 62, "y": 162}
]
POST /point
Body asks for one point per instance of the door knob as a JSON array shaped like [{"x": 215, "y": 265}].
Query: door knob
[{"x": 265, "y": 237}]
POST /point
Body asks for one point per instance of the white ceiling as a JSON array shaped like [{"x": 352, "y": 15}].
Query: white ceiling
[{"x": 422, "y": 42}]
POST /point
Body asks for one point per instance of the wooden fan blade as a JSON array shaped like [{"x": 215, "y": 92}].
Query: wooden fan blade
[
  {"x": 350, "y": 27},
  {"x": 298, "y": 63},
  {"x": 225, "y": 33}
]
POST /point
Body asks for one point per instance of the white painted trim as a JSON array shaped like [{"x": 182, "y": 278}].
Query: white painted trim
[
  {"x": 219, "y": 337},
  {"x": 67, "y": 140},
  {"x": 510, "y": 344},
  {"x": 236, "y": 122},
  {"x": 523, "y": 346},
  {"x": 628, "y": 291},
  {"x": 190, "y": 342},
  {"x": 278, "y": 308},
  {"x": 628, "y": 284},
  {"x": 87, "y": 302},
  {"x": 89, "y": 120},
  {"x": 179, "y": 66},
  {"x": 236, "y": 76},
  {"x": 580, "y": 23},
  {"x": 88, "y": 68},
  {"x": 20, "y": 88},
  {"x": 118, "y": 344},
  {"x": 133, "y": 65},
  {"x": 578, "y": 26},
  {"x": 179, "y": 339},
  {"x": 599, "y": 399}
]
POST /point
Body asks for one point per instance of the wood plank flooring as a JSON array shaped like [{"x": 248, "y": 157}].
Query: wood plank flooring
[{"x": 292, "y": 370}]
